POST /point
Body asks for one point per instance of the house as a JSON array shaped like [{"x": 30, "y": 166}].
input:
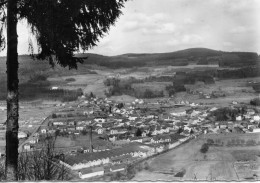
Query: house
[
  {"x": 256, "y": 130},
  {"x": 250, "y": 111},
  {"x": 165, "y": 129},
  {"x": 54, "y": 88},
  {"x": 91, "y": 172},
  {"x": 113, "y": 131},
  {"x": 62, "y": 128},
  {"x": 76, "y": 132},
  {"x": 133, "y": 118},
  {"x": 155, "y": 140},
  {"x": 121, "y": 159},
  {"x": 44, "y": 130},
  {"x": 213, "y": 109},
  {"x": 72, "y": 123},
  {"x": 136, "y": 139},
  {"x": 112, "y": 138},
  {"x": 56, "y": 123},
  {"x": 179, "y": 113},
  {"x": 144, "y": 134},
  {"x": 117, "y": 168},
  {"x": 256, "y": 118},
  {"x": 52, "y": 129},
  {"x": 33, "y": 141},
  {"x": 186, "y": 133},
  {"x": 100, "y": 130},
  {"x": 27, "y": 147},
  {"x": 100, "y": 120},
  {"x": 238, "y": 118},
  {"x": 22, "y": 135},
  {"x": 80, "y": 128},
  {"x": 195, "y": 113}
]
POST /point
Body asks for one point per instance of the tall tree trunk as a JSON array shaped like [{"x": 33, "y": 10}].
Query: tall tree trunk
[{"x": 12, "y": 93}]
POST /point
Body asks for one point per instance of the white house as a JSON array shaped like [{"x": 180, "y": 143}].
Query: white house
[
  {"x": 3, "y": 108},
  {"x": 22, "y": 135},
  {"x": 54, "y": 88},
  {"x": 179, "y": 113},
  {"x": 58, "y": 123},
  {"x": 117, "y": 168},
  {"x": 256, "y": 118},
  {"x": 27, "y": 147},
  {"x": 256, "y": 130},
  {"x": 100, "y": 131},
  {"x": 100, "y": 120},
  {"x": 43, "y": 130},
  {"x": 81, "y": 128},
  {"x": 112, "y": 138},
  {"x": 132, "y": 118},
  {"x": 238, "y": 118},
  {"x": 34, "y": 140}
]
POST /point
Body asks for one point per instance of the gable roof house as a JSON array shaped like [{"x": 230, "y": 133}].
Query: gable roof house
[
  {"x": 22, "y": 135},
  {"x": 118, "y": 168},
  {"x": 86, "y": 160}
]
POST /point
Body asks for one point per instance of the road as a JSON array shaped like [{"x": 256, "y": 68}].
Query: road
[{"x": 43, "y": 123}]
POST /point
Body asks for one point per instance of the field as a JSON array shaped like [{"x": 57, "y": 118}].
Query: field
[{"x": 219, "y": 163}]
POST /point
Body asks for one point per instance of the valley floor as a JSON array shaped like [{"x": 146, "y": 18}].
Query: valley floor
[{"x": 218, "y": 164}]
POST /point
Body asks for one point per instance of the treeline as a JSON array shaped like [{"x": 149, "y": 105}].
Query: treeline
[
  {"x": 121, "y": 87},
  {"x": 255, "y": 102},
  {"x": 239, "y": 59},
  {"x": 244, "y": 72},
  {"x": 38, "y": 87},
  {"x": 192, "y": 77}
]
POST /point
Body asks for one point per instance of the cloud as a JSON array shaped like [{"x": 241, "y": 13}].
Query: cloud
[
  {"x": 240, "y": 29},
  {"x": 145, "y": 24},
  {"x": 227, "y": 44},
  {"x": 186, "y": 39},
  {"x": 189, "y": 21},
  {"x": 192, "y": 39}
]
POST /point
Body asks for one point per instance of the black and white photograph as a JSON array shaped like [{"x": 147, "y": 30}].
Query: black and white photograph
[{"x": 129, "y": 90}]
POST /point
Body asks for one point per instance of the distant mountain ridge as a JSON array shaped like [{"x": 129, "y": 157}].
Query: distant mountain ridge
[{"x": 200, "y": 56}]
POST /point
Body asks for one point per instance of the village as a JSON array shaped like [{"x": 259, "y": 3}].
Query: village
[{"x": 97, "y": 136}]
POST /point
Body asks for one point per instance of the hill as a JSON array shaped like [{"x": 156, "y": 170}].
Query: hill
[{"x": 200, "y": 56}]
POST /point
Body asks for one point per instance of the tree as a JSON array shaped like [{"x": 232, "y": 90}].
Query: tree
[
  {"x": 61, "y": 28},
  {"x": 92, "y": 95},
  {"x": 148, "y": 93},
  {"x": 41, "y": 164},
  {"x": 120, "y": 105},
  {"x": 204, "y": 148},
  {"x": 138, "y": 132}
]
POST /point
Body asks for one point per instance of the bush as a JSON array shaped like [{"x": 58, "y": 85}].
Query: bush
[
  {"x": 38, "y": 77},
  {"x": 204, "y": 148},
  {"x": 180, "y": 174},
  {"x": 70, "y": 79},
  {"x": 255, "y": 102},
  {"x": 146, "y": 166}
]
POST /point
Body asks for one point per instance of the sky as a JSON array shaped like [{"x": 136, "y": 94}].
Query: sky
[{"x": 156, "y": 26}]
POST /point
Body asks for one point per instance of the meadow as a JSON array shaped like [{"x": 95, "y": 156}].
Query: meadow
[{"x": 219, "y": 163}]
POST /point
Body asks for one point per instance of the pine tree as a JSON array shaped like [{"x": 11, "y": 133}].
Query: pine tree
[{"x": 61, "y": 28}]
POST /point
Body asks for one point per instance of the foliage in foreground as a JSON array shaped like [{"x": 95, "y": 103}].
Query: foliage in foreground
[{"x": 41, "y": 164}]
